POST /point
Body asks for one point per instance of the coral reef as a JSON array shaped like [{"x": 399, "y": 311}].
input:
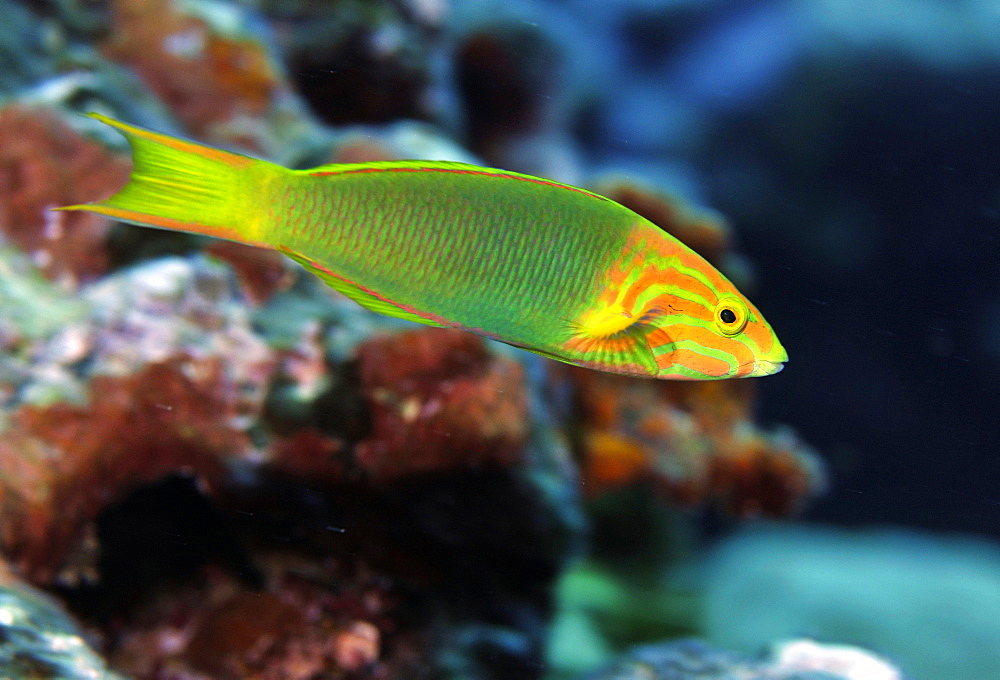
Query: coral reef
[
  {"x": 204, "y": 62},
  {"x": 156, "y": 372},
  {"x": 61, "y": 463},
  {"x": 45, "y": 163},
  {"x": 226, "y": 470},
  {"x": 439, "y": 400},
  {"x": 797, "y": 660},
  {"x": 694, "y": 442},
  {"x": 261, "y": 273},
  {"x": 505, "y": 76},
  {"x": 37, "y": 640},
  {"x": 297, "y": 625},
  {"x": 360, "y": 61}
]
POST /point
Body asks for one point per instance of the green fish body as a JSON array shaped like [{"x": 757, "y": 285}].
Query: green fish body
[{"x": 540, "y": 265}]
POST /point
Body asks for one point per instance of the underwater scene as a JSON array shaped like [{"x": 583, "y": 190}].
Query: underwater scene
[{"x": 499, "y": 340}]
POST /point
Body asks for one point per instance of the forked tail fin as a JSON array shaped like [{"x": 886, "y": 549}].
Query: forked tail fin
[{"x": 184, "y": 186}]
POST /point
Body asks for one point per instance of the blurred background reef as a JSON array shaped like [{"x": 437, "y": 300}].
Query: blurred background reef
[{"x": 213, "y": 466}]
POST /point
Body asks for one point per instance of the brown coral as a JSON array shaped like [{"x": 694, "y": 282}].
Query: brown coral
[
  {"x": 506, "y": 77},
  {"x": 297, "y": 627},
  {"x": 205, "y": 76},
  {"x": 360, "y": 60},
  {"x": 45, "y": 163},
  {"x": 261, "y": 273},
  {"x": 61, "y": 465},
  {"x": 439, "y": 400}
]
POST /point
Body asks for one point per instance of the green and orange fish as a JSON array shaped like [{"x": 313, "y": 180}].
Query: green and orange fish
[{"x": 540, "y": 265}]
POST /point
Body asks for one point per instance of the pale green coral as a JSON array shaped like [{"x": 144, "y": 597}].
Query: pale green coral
[{"x": 38, "y": 640}]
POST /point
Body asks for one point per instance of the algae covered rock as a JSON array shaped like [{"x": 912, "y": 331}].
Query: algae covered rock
[
  {"x": 227, "y": 470},
  {"x": 39, "y": 640},
  {"x": 794, "y": 660}
]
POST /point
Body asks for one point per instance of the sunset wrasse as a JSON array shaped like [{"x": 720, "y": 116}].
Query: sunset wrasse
[{"x": 540, "y": 265}]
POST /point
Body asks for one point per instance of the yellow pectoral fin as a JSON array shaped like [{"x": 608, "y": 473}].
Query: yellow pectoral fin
[
  {"x": 623, "y": 350},
  {"x": 607, "y": 322},
  {"x": 612, "y": 338},
  {"x": 365, "y": 298}
]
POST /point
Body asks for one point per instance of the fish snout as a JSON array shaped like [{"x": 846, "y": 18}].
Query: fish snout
[{"x": 770, "y": 363}]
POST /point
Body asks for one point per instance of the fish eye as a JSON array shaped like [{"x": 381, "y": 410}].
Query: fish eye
[{"x": 731, "y": 315}]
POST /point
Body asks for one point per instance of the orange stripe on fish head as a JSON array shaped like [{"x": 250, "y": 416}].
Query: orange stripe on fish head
[{"x": 663, "y": 297}]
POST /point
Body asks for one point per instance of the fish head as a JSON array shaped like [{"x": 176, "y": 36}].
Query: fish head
[
  {"x": 711, "y": 336},
  {"x": 679, "y": 334},
  {"x": 662, "y": 311}
]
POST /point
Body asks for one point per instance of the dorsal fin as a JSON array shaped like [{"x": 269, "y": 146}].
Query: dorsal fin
[{"x": 442, "y": 166}]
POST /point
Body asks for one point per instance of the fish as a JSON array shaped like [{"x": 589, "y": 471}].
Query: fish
[{"x": 544, "y": 266}]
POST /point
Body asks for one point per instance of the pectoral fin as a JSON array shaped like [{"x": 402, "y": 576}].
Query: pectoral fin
[{"x": 613, "y": 340}]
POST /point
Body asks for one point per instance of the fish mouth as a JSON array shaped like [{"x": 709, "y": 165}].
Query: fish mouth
[
  {"x": 763, "y": 367},
  {"x": 770, "y": 364}
]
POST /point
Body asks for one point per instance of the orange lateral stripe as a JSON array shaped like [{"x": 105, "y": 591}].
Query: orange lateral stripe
[
  {"x": 671, "y": 304},
  {"x": 696, "y": 261},
  {"x": 647, "y": 278},
  {"x": 688, "y": 358},
  {"x": 707, "y": 338}
]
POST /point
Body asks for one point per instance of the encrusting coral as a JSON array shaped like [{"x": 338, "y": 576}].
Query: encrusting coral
[
  {"x": 206, "y": 65},
  {"x": 439, "y": 399},
  {"x": 156, "y": 372},
  {"x": 230, "y": 471},
  {"x": 45, "y": 163}
]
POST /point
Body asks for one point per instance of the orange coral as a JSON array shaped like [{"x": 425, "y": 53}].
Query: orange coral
[
  {"x": 45, "y": 163},
  {"x": 761, "y": 476},
  {"x": 694, "y": 441},
  {"x": 439, "y": 400},
  {"x": 242, "y": 630}
]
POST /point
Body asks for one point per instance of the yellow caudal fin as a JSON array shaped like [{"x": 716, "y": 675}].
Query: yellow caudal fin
[{"x": 184, "y": 186}]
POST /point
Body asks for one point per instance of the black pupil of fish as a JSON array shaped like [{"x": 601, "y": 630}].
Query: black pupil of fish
[{"x": 727, "y": 316}]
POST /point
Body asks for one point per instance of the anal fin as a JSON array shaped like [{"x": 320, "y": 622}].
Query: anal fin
[{"x": 365, "y": 298}]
